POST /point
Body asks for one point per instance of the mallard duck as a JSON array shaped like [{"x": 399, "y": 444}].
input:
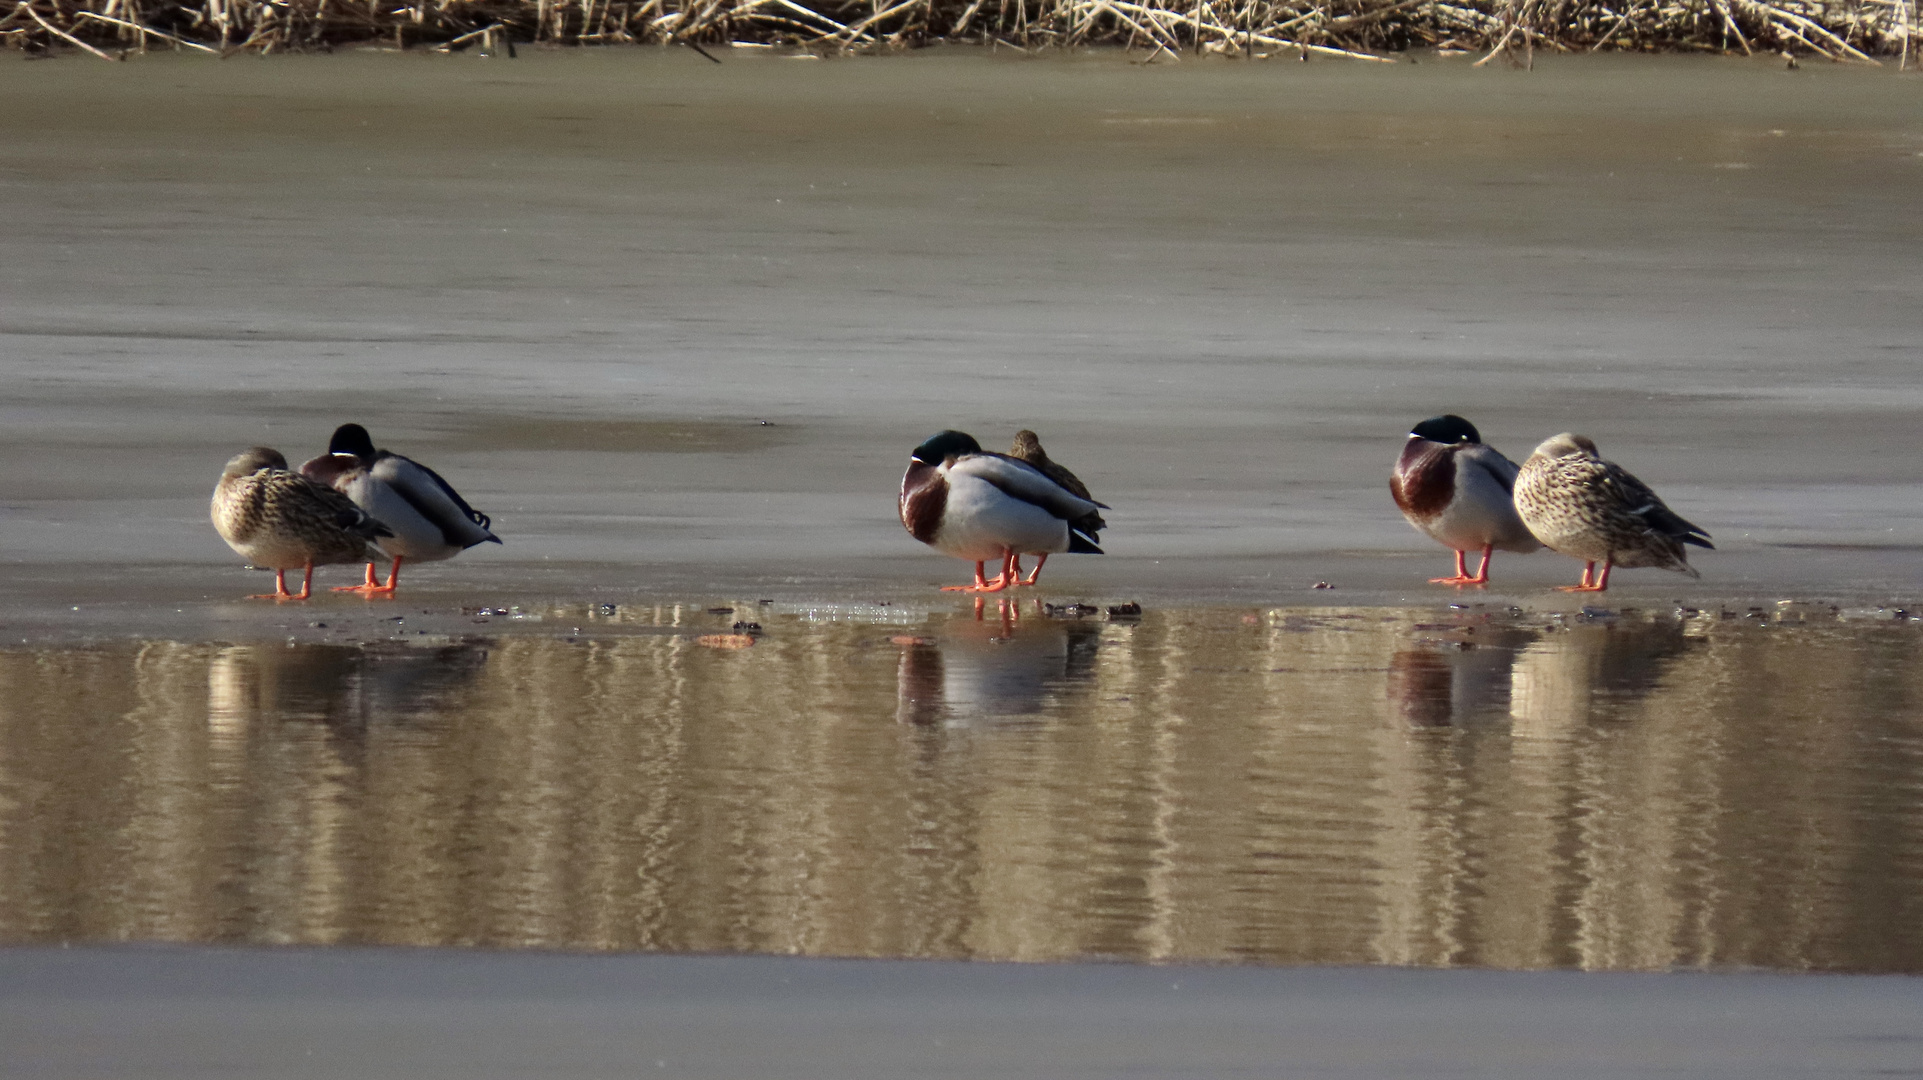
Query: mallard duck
[
  {"x": 280, "y": 519},
  {"x": 1028, "y": 447},
  {"x": 974, "y": 505},
  {"x": 1456, "y": 489},
  {"x": 429, "y": 519},
  {"x": 1580, "y": 505}
]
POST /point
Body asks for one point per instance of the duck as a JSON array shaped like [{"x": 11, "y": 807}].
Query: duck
[
  {"x": 279, "y": 519},
  {"x": 1578, "y": 504},
  {"x": 980, "y": 506},
  {"x": 1459, "y": 491},
  {"x": 1028, "y": 447},
  {"x": 428, "y": 518}
]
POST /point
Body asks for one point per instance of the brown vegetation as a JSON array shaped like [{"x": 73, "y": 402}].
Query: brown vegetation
[{"x": 1852, "y": 30}]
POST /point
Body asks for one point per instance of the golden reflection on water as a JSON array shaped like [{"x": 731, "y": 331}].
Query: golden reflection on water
[{"x": 1322, "y": 786}]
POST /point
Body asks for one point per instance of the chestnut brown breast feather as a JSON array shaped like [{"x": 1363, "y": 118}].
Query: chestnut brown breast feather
[
  {"x": 1424, "y": 479},
  {"x": 924, "y": 497},
  {"x": 331, "y": 469}
]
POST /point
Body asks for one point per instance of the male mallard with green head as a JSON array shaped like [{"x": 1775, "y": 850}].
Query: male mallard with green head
[
  {"x": 280, "y": 520},
  {"x": 1028, "y": 447},
  {"x": 975, "y": 505},
  {"x": 1457, "y": 490},
  {"x": 429, "y": 519},
  {"x": 1580, "y": 505}
]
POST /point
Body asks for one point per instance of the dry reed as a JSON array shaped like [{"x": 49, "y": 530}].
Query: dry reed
[{"x": 1163, "y": 30}]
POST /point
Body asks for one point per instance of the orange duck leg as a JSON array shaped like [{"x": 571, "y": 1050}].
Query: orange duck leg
[
  {"x": 1462, "y": 569},
  {"x": 981, "y": 583},
  {"x": 280, "y": 587},
  {"x": 1600, "y": 583},
  {"x": 372, "y": 586}
]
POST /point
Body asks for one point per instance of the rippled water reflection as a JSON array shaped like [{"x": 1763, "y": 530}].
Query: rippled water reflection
[{"x": 1367, "y": 786}]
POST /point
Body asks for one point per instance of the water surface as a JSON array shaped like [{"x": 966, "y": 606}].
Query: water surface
[{"x": 1435, "y": 787}]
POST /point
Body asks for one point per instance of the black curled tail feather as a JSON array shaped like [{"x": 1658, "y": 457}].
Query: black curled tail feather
[
  {"x": 447, "y": 489},
  {"x": 1090, "y": 523},
  {"x": 1080, "y": 545}
]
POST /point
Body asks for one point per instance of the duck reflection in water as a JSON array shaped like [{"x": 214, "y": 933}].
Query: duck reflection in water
[
  {"x": 1566, "y": 677},
  {"x": 1444, "y": 683},
  {"x": 342, "y": 686},
  {"x": 1542, "y": 681},
  {"x": 992, "y": 667}
]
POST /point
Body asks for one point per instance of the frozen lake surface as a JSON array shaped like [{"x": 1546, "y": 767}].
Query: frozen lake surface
[
  {"x": 162, "y": 1013},
  {"x": 578, "y": 283}
]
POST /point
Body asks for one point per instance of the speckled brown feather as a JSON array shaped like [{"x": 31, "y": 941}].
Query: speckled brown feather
[
  {"x": 1580, "y": 505},
  {"x": 1028, "y": 448},
  {"x": 281, "y": 520}
]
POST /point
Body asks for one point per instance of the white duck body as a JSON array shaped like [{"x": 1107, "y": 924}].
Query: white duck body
[
  {"x": 981, "y": 507},
  {"x": 431, "y": 520},
  {"x": 984, "y": 520},
  {"x": 428, "y": 520},
  {"x": 1483, "y": 510}
]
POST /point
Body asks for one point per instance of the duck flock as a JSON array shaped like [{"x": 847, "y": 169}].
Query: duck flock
[{"x": 358, "y": 504}]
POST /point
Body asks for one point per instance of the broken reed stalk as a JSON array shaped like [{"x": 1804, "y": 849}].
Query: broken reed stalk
[
  {"x": 1909, "y": 30},
  {"x": 62, "y": 34},
  {"x": 1844, "y": 30},
  {"x": 148, "y": 31}
]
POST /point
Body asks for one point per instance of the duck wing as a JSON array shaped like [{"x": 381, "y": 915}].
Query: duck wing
[
  {"x": 1633, "y": 498},
  {"x": 1490, "y": 460},
  {"x": 1018, "y": 479},
  {"x": 1091, "y": 523},
  {"x": 301, "y": 498},
  {"x": 434, "y": 498}
]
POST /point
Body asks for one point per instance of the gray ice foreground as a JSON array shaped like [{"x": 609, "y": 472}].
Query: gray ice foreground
[{"x": 201, "y": 1012}]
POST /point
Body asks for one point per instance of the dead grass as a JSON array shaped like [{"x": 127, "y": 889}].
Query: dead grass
[{"x": 1856, "y": 31}]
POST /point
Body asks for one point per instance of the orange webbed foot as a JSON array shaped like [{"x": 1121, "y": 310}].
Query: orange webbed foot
[
  {"x": 372, "y": 586},
  {"x": 981, "y": 584},
  {"x": 997, "y": 585},
  {"x": 280, "y": 588}
]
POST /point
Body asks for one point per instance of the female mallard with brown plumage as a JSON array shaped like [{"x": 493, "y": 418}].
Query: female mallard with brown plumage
[
  {"x": 1580, "y": 505},
  {"x": 1028, "y": 447},
  {"x": 281, "y": 520}
]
